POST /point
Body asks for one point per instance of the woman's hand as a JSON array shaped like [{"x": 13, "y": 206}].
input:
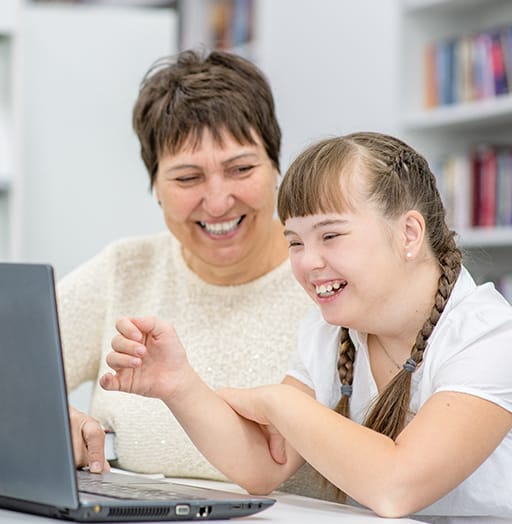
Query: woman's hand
[
  {"x": 88, "y": 441},
  {"x": 147, "y": 357}
]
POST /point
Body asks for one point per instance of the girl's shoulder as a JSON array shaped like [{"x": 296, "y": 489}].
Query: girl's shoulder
[
  {"x": 314, "y": 328},
  {"x": 476, "y": 308},
  {"x": 474, "y": 331}
]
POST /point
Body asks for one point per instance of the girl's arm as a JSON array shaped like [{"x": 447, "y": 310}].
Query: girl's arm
[
  {"x": 149, "y": 360},
  {"x": 447, "y": 440}
]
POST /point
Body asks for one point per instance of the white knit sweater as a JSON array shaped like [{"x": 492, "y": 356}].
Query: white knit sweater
[{"x": 234, "y": 336}]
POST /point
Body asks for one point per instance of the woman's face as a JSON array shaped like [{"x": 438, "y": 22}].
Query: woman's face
[
  {"x": 218, "y": 200},
  {"x": 348, "y": 263}
]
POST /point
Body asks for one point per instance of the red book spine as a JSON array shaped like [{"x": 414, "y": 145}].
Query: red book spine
[{"x": 488, "y": 180}]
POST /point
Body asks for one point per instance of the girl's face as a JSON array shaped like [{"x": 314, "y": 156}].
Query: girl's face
[
  {"x": 349, "y": 263},
  {"x": 218, "y": 200}
]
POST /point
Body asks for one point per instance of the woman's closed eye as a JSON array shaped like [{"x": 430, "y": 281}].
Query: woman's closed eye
[
  {"x": 188, "y": 179},
  {"x": 241, "y": 170}
]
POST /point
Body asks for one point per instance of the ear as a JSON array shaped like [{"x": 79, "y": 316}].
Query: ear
[
  {"x": 276, "y": 180},
  {"x": 156, "y": 193},
  {"x": 413, "y": 233}
]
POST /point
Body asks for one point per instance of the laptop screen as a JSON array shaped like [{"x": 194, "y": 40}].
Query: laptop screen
[{"x": 36, "y": 454}]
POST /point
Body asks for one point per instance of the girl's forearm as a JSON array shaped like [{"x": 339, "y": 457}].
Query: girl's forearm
[
  {"x": 362, "y": 470},
  {"x": 226, "y": 439}
]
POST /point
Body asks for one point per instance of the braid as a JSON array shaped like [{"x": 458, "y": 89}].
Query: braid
[{"x": 346, "y": 356}]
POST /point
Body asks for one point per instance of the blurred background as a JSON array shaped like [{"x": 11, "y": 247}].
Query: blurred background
[{"x": 437, "y": 73}]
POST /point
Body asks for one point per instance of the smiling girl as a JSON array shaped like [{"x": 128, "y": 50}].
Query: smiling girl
[{"x": 400, "y": 392}]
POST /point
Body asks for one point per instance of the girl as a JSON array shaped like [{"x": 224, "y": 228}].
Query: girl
[{"x": 400, "y": 392}]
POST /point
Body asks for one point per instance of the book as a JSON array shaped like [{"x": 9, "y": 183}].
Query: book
[
  {"x": 497, "y": 61},
  {"x": 485, "y": 186}
]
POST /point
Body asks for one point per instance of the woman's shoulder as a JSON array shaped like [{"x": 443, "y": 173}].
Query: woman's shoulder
[
  {"x": 123, "y": 258},
  {"x": 141, "y": 246}
]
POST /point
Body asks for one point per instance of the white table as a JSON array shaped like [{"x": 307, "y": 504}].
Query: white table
[{"x": 289, "y": 509}]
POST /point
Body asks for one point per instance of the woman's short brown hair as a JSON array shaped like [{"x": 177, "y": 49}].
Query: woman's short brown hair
[{"x": 181, "y": 96}]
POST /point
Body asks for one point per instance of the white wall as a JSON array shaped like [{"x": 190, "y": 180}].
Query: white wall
[
  {"x": 83, "y": 181},
  {"x": 333, "y": 65}
]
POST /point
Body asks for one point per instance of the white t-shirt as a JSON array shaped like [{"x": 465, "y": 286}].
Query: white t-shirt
[{"x": 470, "y": 351}]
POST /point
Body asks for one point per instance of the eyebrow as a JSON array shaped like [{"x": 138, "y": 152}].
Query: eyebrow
[
  {"x": 228, "y": 161},
  {"x": 322, "y": 223}
]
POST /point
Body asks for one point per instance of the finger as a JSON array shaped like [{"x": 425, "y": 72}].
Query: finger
[
  {"x": 127, "y": 327},
  {"x": 109, "y": 382},
  {"x": 124, "y": 345},
  {"x": 79, "y": 449},
  {"x": 94, "y": 439},
  {"x": 155, "y": 327},
  {"x": 277, "y": 448},
  {"x": 119, "y": 361}
]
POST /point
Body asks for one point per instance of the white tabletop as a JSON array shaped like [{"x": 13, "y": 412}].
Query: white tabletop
[{"x": 288, "y": 509}]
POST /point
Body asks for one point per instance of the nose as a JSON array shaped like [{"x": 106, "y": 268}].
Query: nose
[
  {"x": 218, "y": 198},
  {"x": 311, "y": 259}
]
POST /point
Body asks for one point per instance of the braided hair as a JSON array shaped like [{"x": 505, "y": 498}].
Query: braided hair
[{"x": 398, "y": 179}]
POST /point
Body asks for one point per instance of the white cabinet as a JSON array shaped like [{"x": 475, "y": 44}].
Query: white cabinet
[
  {"x": 457, "y": 125},
  {"x": 9, "y": 10}
]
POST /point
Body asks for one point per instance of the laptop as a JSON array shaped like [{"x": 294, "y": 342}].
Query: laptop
[{"x": 37, "y": 471}]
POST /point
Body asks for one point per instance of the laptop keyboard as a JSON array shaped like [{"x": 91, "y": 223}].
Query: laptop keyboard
[{"x": 95, "y": 485}]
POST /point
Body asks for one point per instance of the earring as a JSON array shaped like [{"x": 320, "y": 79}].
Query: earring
[
  {"x": 408, "y": 255},
  {"x": 159, "y": 202}
]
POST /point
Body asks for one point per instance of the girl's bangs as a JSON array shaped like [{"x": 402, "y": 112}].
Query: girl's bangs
[{"x": 316, "y": 185}]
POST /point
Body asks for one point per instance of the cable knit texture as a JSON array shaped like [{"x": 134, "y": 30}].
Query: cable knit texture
[{"x": 234, "y": 335}]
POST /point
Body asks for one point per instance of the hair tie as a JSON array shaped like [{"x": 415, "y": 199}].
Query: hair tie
[
  {"x": 410, "y": 365},
  {"x": 346, "y": 390}
]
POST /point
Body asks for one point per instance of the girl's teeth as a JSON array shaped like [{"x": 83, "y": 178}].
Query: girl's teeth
[{"x": 327, "y": 290}]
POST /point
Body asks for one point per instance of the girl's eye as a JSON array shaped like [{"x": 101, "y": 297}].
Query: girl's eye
[
  {"x": 329, "y": 236},
  {"x": 294, "y": 243}
]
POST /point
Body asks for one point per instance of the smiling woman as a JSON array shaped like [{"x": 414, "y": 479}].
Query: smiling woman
[
  {"x": 210, "y": 141},
  {"x": 218, "y": 199}
]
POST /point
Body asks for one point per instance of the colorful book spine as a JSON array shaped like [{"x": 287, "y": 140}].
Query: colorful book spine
[
  {"x": 469, "y": 67},
  {"x": 476, "y": 188}
]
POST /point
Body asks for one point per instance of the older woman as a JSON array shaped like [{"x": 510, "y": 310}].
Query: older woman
[{"x": 210, "y": 141}]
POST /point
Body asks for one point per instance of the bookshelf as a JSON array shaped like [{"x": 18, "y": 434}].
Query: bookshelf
[
  {"x": 446, "y": 115},
  {"x": 9, "y": 10},
  {"x": 224, "y": 24}
]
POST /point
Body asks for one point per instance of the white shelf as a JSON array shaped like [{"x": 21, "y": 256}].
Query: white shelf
[
  {"x": 419, "y": 6},
  {"x": 486, "y": 237},
  {"x": 481, "y": 113}
]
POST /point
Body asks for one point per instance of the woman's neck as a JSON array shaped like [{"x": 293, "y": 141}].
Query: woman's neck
[{"x": 272, "y": 252}]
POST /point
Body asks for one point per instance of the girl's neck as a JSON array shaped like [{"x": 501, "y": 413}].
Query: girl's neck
[{"x": 411, "y": 308}]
